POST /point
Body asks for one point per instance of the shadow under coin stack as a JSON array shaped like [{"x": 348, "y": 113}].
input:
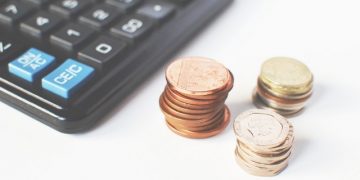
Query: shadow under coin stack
[
  {"x": 284, "y": 85},
  {"x": 264, "y": 142},
  {"x": 193, "y": 100}
]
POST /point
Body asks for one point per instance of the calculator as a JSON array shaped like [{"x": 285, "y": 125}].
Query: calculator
[{"x": 68, "y": 63}]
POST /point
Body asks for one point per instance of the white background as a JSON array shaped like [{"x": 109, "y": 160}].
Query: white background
[{"x": 134, "y": 143}]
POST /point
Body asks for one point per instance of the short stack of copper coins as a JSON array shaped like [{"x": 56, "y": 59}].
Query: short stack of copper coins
[
  {"x": 264, "y": 142},
  {"x": 194, "y": 97},
  {"x": 284, "y": 85}
]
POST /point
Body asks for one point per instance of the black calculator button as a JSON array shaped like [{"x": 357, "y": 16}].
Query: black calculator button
[
  {"x": 13, "y": 11},
  {"x": 71, "y": 36},
  {"x": 100, "y": 16},
  {"x": 157, "y": 10},
  {"x": 40, "y": 2},
  {"x": 133, "y": 28},
  {"x": 8, "y": 49},
  {"x": 102, "y": 52},
  {"x": 70, "y": 8},
  {"x": 180, "y": 2},
  {"x": 124, "y": 5},
  {"x": 40, "y": 24}
]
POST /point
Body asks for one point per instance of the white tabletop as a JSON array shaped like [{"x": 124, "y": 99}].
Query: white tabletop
[{"x": 134, "y": 142}]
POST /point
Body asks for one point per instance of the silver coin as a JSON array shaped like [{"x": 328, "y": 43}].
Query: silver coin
[{"x": 261, "y": 128}]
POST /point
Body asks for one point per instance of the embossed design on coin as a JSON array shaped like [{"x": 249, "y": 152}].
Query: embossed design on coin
[{"x": 197, "y": 75}]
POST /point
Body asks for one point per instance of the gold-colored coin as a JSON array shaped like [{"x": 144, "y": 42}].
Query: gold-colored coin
[{"x": 286, "y": 75}]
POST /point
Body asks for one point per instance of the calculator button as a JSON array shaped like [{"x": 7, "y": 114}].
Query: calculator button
[
  {"x": 102, "y": 51},
  {"x": 8, "y": 49},
  {"x": 13, "y": 11},
  {"x": 40, "y": 24},
  {"x": 68, "y": 77},
  {"x": 132, "y": 28},
  {"x": 40, "y": 2},
  {"x": 70, "y": 8},
  {"x": 100, "y": 16},
  {"x": 124, "y": 5},
  {"x": 71, "y": 36},
  {"x": 157, "y": 10},
  {"x": 30, "y": 64}
]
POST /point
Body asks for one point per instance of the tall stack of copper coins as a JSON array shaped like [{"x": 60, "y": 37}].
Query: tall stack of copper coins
[
  {"x": 264, "y": 142},
  {"x": 194, "y": 97},
  {"x": 284, "y": 85}
]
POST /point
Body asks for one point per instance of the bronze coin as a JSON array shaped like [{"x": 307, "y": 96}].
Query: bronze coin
[
  {"x": 186, "y": 110},
  {"x": 204, "y": 134},
  {"x": 197, "y": 76},
  {"x": 195, "y": 101},
  {"x": 181, "y": 115}
]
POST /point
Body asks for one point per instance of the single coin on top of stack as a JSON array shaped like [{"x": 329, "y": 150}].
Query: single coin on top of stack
[
  {"x": 194, "y": 97},
  {"x": 264, "y": 142},
  {"x": 284, "y": 85}
]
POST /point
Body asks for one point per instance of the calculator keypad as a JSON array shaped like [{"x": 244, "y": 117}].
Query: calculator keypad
[{"x": 96, "y": 38}]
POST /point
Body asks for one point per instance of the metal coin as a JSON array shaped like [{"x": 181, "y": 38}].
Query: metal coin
[
  {"x": 286, "y": 75},
  {"x": 197, "y": 76},
  {"x": 204, "y": 134},
  {"x": 261, "y": 128}
]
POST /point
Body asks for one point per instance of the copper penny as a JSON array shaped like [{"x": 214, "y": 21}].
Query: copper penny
[
  {"x": 181, "y": 109},
  {"x": 214, "y": 96},
  {"x": 195, "y": 101},
  {"x": 173, "y": 99},
  {"x": 197, "y": 76},
  {"x": 178, "y": 114},
  {"x": 169, "y": 115},
  {"x": 204, "y": 134}
]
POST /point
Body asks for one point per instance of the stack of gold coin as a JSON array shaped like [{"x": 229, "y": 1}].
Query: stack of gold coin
[
  {"x": 264, "y": 142},
  {"x": 284, "y": 85},
  {"x": 194, "y": 97}
]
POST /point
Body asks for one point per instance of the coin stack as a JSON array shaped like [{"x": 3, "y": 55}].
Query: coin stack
[
  {"x": 194, "y": 97},
  {"x": 264, "y": 142},
  {"x": 284, "y": 85}
]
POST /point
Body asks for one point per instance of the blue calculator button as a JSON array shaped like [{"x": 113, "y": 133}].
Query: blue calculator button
[
  {"x": 30, "y": 64},
  {"x": 67, "y": 78}
]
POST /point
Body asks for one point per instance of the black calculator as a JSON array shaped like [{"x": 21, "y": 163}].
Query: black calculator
[{"x": 67, "y": 63}]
